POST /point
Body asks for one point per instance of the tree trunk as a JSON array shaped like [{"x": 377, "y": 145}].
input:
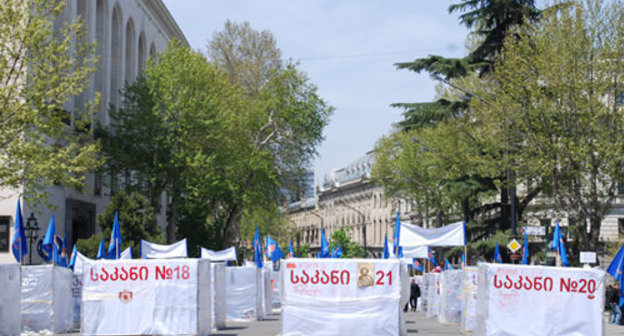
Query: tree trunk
[
  {"x": 172, "y": 219},
  {"x": 466, "y": 209},
  {"x": 504, "y": 217}
]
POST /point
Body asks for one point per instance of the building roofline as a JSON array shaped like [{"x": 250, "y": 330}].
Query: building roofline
[{"x": 166, "y": 20}]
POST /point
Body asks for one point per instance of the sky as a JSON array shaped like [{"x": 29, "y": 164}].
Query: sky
[{"x": 348, "y": 49}]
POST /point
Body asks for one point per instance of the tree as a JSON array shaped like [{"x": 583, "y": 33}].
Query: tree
[
  {"x": 349, "y": 248},
  {"x": 558, "y": 85},
  {"x": 135, "y": 221},
  {"x": 44, "y": 62}
]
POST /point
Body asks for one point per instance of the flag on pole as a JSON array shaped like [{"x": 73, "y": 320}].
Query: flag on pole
[
  {"x": 48, "y": 241},
  {"x": 114, "y": 246},
  {"x": 72, "y": 260},
  {"x": 616, "y": 269},
  {"x": 19, "y": 244},
  {"x": 463, "y": 260},
  {"x": 273, "y": 251},
  {"x": 291, "y": 251},
  {"x": 525, "y": 252},
  {"x": 337, "y": 252},
  {"x": 559, "y": 246},
  {"x": 397, "y": 235},
  {"x": 431, "y": 257},
  {"x": 497, "y": 255},
  {"x": 447, "y": 265},
  {"x": 386, "y": 248},
  {"x": 416, "y": 265},
  {"x": 257, "y": 248},
  {"x": 58, "y": 250},
  {"x": 101, "y": 251},
  {"x": 325, "y": 253}
]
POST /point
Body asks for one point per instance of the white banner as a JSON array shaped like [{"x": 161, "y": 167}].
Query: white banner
[
  {"x": 535, "y": 300},
  {"x": 415, "y": 252},
  {"x": 340, "y": 297},
  {"x": 146, "y": 297},
  {"x": 223, "y": 255},
  {"x": 126, "y": 254},
  {"x": 449, "y": 235},
  {"x": 157, "y": 251}
]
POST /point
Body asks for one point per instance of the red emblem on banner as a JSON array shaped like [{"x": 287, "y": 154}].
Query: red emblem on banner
[
  {"x": 125, "y": 296},
  {"x": 291, "y": 265}
]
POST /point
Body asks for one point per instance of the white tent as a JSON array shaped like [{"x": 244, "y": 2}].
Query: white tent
[
  {"x": 47, "y": 303},
  {"x": 219, "y": 299},
  {"x": 242, "y": 294},
  {"x": 10, "y": 299}
]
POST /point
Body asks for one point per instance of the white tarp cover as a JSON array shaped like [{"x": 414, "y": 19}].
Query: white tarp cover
[
  {"x": 450, "y": 296},
  {"x": 538, "y": 300},
  {"x": 223, "y": 255},
  {"x": 147, "y": 297},
  {"x": 433, "y": 294},
  {"x": 449, "y": 235},
  {"x": 424, "y": 290},
  {"x": 415, "y": 252},
  {"x": 469, "y": 299},
  {"x": 10, "y": 299},
  {"x": 267, "y": 292},
  {"x": 323, "y": 297},
  {"x": 241, "y": 292},
  {"x": 157, "y": 251},
  {"x": 47, "y": 303},
  {"x": 275, "y": 289},
  {"x": 77, "y": 286},
  {"x": 217, "y": 275}
]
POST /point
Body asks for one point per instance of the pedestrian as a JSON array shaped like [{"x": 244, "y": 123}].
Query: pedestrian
[
  {"x": 613, "y": 297},
  {"x": 414, "y": 294}
]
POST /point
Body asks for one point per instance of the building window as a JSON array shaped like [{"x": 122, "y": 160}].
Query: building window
[
  {"x": 621, "y": 226},
  {"x": 5, "y": 229}
]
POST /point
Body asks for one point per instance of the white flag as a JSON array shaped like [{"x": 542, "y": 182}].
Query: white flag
[
  {"x": 157, "y": 251},
  {"x": 126, "y": 254},
  {"x": 223, "y": 255},
  {"x": 449, "y": 235}
]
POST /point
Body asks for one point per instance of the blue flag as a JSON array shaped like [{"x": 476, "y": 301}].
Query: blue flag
[
  {"x": 114, "y": 246},
  {"x": 325, "y": 253},
  {"x": 431, "y": 257},
  {"x": 447, "y": 265},
  {"x": 525, "y": 253},
  {"x": 416, "y": 265},
  {"x": 616, "y": 269},
  {"x": 337, "y": 252},
  {"x": 559, "y": 246},
  {"x": 386, "y": 248},
  {"x": 64, "y": 257},
  {"x": 397, "y": 235},
  {"x": 273, "y": 250},
  {"x": 497, "y": 255},
  {"x": 101, "y": 251},
  {"x": 257, "y": 246},
  {"x": 57, "y": 249},
  {"x": 463, "y": 260},
  {"x": 291, "y": 251},
  {"x": 72, "y": 260},
  {"x": 19, "y": 244},
  {"x": 48, "y": 241}
]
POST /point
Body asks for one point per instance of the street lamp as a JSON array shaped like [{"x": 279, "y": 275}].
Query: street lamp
[{"x": 32, "y": 228}]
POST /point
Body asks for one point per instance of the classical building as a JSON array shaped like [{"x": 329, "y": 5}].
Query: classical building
[
  {"x": 127, "y": 33},
  {"x": 348, "y": 199}
]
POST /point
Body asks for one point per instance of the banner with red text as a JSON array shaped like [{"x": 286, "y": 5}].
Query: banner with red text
[
  {"x": 136, "y": 297},
  {"x": 537, "y": 300},
  {"x": 340, "y": 297}
]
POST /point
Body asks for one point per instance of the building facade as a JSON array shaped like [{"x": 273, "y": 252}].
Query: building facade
[{"x": 127, "y": 33}]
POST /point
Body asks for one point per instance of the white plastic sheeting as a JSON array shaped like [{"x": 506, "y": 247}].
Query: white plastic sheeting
[
  {"x": 433, "y": 294},
  {"x": 228, "y": 254},
  {"x": 76, "y": 286},
  {"x": 469, "y": 299},
  {"x": 47, "y": 303},
  {"x": 268, "y": 292},
  {"x": 415, "y": 252},
  {"x": 10, "y": 299},
  {"x": 241, "y": 292},
  {"x": 539, "y": 301},
  {"x": 419, "y": 279},
  {"x": 157, "y": 251},
  {"x": 327, "y": 297},
  {"x": 449, "y": 235},
  {"x": 219, "y": 306},
  {"x": 275, "y": 289},
  {"x": 154, "y": 297},
  {"x": 450, "y": 296}
]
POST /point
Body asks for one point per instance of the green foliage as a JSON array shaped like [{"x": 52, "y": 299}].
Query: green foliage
[
  {"x": 349, "y": 248},
  {"x": 44, "y": 62},
  {"x": 89, "y": 247},
  {"x": 302, "y": 251}
]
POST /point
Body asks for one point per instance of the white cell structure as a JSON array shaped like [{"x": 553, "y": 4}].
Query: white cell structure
[
  {"x": 341, "y": 297},
  {"x": 47, "y": 303},
  {"x": 264, "y": 275},
  {"x": 10, "y": 299},
  {"x": 451, "y": 296},
  {"x": 244, "y": 295},
  {"x": 419, "y": 279},
  {"x": 469, "y": 299},
  {"x": 147, "y": 297},
  {"x": 275, "y": 289},
  {"x": 539, "y": 301},
  {"x": 219, "y": 297},
  {"x": 433, "y": 294}
]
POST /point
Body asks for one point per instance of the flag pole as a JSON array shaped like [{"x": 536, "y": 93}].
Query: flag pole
[{"x": 465, "y": 255}]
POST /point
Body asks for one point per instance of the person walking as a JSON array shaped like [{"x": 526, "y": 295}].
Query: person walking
[
  {"x": 414, "y": 294},
  {"x": 613, "y": 297}
]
